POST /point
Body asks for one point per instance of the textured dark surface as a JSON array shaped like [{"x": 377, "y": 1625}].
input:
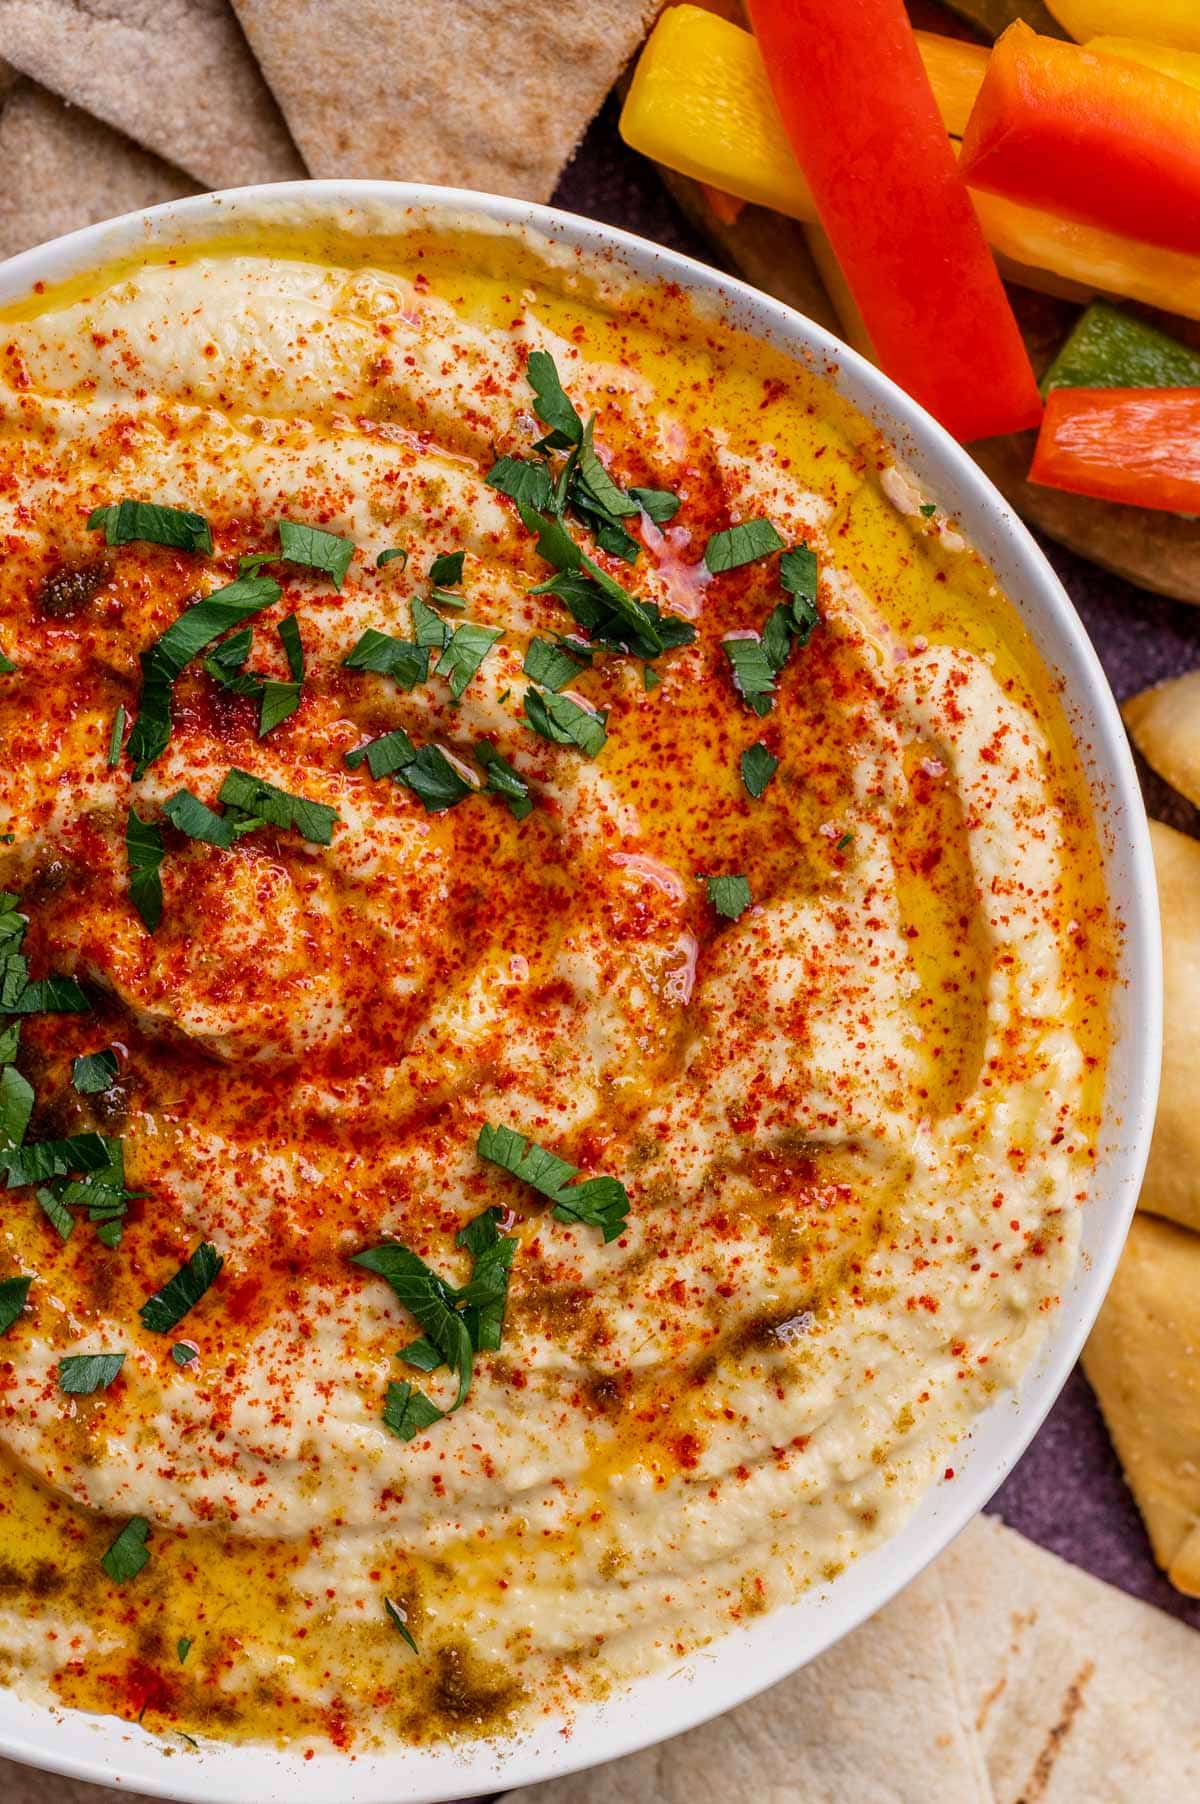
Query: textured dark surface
[{"x": 1067, "y": 1492}]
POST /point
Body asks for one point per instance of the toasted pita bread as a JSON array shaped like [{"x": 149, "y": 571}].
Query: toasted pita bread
[
  {"x": 1142, "y": 1360},
  {"x": 1172, "y": 1182},
  {"x": 880, "y": 1719},
  {"x": 1079, "y": 1694},
  {"x": 176, "y": 76},
  {"x": 63, "y": 170},
  {"x": 1164, "y": 723},
  {"x": 475, "y": 94}
]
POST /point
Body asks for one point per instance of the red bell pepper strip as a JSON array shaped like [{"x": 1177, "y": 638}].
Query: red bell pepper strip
[
  {"x": 860, "y": 114},
  {"x": 1138, "y": 445},
  {"x": 1087, "y": 136}
]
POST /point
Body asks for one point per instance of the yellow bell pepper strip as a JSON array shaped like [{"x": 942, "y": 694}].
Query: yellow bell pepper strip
[
  {"x": 1175, "y": 22},
  {"x": 1107, "y": 348},
  {"x": 700, "y": 103},
  {"x": 1091, "y": 137},
  {"x": 861, "y": 116},
  {"x": 1184, "y": 65},
  {"x": 1136, "y": 445}
]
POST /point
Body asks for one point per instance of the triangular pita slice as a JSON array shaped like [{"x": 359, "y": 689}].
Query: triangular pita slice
[
  {"x": 1172, "y": 1183},
  {"x": 63, "y": 170},
  {"x": 176, "y": 76},
  {"x": 879, "y": 1719},
  {"x": 472, "y": 94},
  {"x": 1143, "y": 1360},
  {"x": 1080, "y": 1694},
  {"x": 1165, "y": 725}
]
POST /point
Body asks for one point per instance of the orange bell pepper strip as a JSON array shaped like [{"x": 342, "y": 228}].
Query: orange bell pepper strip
[
  {"x": 1095, "y": 138},
  {"x": 1137, "y": 445},
  {"x": 858, "y": 109}
]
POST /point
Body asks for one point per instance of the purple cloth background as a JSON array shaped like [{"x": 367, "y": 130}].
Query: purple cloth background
[{"x": 1067, "y": 1492}]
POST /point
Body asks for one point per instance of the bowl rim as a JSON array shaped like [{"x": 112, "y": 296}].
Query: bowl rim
[{"x": 746, "y": 1660}]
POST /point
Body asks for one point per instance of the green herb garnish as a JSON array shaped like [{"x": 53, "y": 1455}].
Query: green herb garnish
[
  {"x": 598, "y": 1202},
  {"x": 82, "y": 1374},
  {"x": 260, "y": 801},
  {"x": 729, "y": 895},
  {"x": 168, "y": 1306},
  {"x": 551, "y": 404},
  {"x": 742, "y": 544},
  {"x": 315, "y": 549},
  {"x": 94, "y": 1072},
  {"x": 406, "y": 1410},
  {"x": 553, "y": 666},
  {"x": 390, "y": 556},
  {"x": 14, "y": 1293},
  {"x": 564, "y": 722},
  {"x": 397, "y": 1617},
  {"x": 521, "y": 480},
  {"x": 434, "y": 779},
  {"x": 465, "y": 651},
  {"x": 446, "y": 571},
  {"x": 385, "y": 755},
  {"x": 128, "y": 1553},
  {"x": 116, "y": 736},
  {"x": 758, "y": 767},
  {"x": 183, "y": 1648},
  {"x": 146, "y": 522},
  {"x": 660, "y": 504},
  {"x": 182, "y": 1354},
  {"x": 504, "y": 781},
  {"x": 144, "y": 847},
  {"x": 405, "y": 663},
  {"x": 184, "y": 640},
  {"x": 753, "y": 672},
  {"x": 432, "y": 1302}
]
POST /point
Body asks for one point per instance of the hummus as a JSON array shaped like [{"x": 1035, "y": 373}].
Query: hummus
[{"x": 768, "y": 900}]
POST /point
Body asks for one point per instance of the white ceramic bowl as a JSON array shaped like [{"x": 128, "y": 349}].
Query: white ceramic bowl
[{"x": 750, "y": 1658}]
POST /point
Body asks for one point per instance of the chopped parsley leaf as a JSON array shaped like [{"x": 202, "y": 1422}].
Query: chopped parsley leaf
[
  {"x": 521, "y": 480},
  {"x": 431, "y": 1301},
  {"x": 758, "y": 767},
  {"x": 167, "y": 1306},
  {"x": 465, "y": 651},
  {"x": 316, "y": 549},
  {"x": 753, "y": 672},
  {"x": 406, "y": 1410},
  {"x": 844, "y": 843},
  {"x": 260, "y": 801},
  {"x": 115, "y": 738},
  {"x": 428, "y": 628},
  {"x": 183, "y": 1648},
  {"x": 405, "y": 663},
  {"x": 94, "y": 1072},
  {"x": 16, "y": 1107},
  {"x": 660, "y": 504},
  {"x": 552, "y": 666},
  {"x": 551, "y": 404},
  {"x": 399, "y": 1621},
  {"x": 798, "y": 574},
  {"x": 199, "y": 821},
  {"x": 446, "y": 571},
  {"x": 729, "y": 895},
  {"x": 390, "y": 556},
  {"x": 598, "y": 1202},
  {"x": 184, "y": 640},
  {"x": 127, "y": 522},
  {"x": 183, "y": 1354},
  {"x": 6, "y": 665},
  {"x": 564, "y": 722},
  {"x": 385, "y": 754},
  {"x": 504, "y": 781},
  {"x": 144, "y": 847},
  {"x": 82, "y": 1374},
  {"x": 14, "y": 1293},
  {"x": 293, "y": 646},
  {"x": 928, "y": 509},
  {"x": 128, "y": 1553},
  {"x": 486, "y": 1293},
  {"x": 43, "y": 1159},
  {"x": 745, "y": 543},
  {"x": 435, "y": 780}
]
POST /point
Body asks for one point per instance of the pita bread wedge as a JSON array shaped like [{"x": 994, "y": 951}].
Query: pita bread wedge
[
  {"x": 1164, "y": 723},
  {"x": 880, "y": 1719},
  {"x": 1143, "y": 1361},
  {"x": 63, "y": 170},
  {"x": 1079, "y": 1694},
  {"x": 474, "y": 94},
  {"x": 1172, "y": 1182},
  {"x": 176, "y": 76}
]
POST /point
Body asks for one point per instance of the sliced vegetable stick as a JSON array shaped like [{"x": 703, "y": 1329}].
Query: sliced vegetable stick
[{"x": 1137, "y": 445}]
